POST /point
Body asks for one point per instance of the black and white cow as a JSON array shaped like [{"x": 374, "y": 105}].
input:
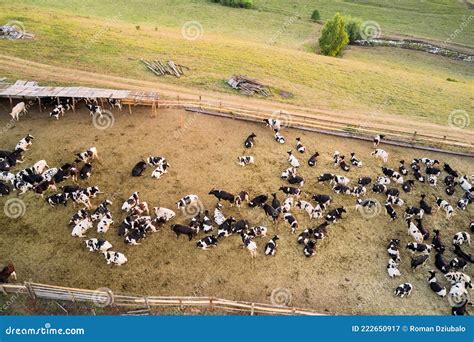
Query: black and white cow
[
  {"x": 187, "y": 200},
  {"x": 98, "y": 245},
  {"x": 377, "y": 139},
  {"x": 461, "y": 237},
  {"x": 379, "y": 188},
  {"x": 25, "y": 143},
  {"x": 402, "y": 169},
  {"x": 435, "y": 286},
  {"x": 288, "y": 190},
  {"x": 4, "y": 189},
  {"x": 322, "y": 199},
  {"x": 113, "y": 103},
  {"x": 250, "y": 141},
  {"x": 458, "y": 263},
  {"x": 245, "y": 160},
  {"x": 55, "y": 199},
  {"x": 271, "y": 246},
  {"x": 324, "y": 177},
  {"x": 313, "y": 159},
  {"x": 115, "y": 258},
  {"x": 91, "y": 153},
  {"x": 291, "y": 221},
  {"x": 335, "y": 214},
  {"x": 94, "y": 109},
  {"x": 393, "y": 251},
  {"x": 418, "y": 247},
  {"x": 206, "y": 242},
  {"x": 57, "y": 111},
  {"x": 437, "y": 243},
  {"x": 310, "y": 249},
  {"x": 389, "y": 210},
  {"x": 403, "y": 290},
  {"x": 299, "y": 146},
  {"x": 274, "y": 124},
  {"x": 279, "y": 138},
  {"x": 355, "y": 161},
  {"x": 392, "y": 268},
  {"x": 441, "y": 264},
  {"x": 443, "y": 204},
  {"x": 85, "y": 171}
]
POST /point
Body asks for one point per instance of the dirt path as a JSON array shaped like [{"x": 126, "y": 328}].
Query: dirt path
[{"x": 374, "y": 120}]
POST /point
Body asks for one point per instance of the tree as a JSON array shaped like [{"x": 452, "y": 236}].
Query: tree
[
  {"x": 315, "y": 16},
  {"x": 333, "y": 36},
  {"x": 352, "y": 27}
]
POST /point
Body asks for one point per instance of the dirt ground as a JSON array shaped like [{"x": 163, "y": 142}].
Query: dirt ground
[{"x": 347, "y": 275}]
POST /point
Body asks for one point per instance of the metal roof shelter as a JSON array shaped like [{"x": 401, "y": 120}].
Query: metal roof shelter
[{"x": 31, "y": 90}]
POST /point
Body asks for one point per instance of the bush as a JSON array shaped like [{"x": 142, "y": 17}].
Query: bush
[
  {"x": 315, "y": 16},
  {"x": 352, "y": 27},
  {"x": 236, "y": 3},
  {"x": 333, "y": 36}
]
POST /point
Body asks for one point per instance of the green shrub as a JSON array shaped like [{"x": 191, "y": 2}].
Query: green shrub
[
  {"x": 315, "y": 16},
  {"x": 352, "y": 27},
  {"x": 333, "y": 36},
  {"x": 236, "y": 3}
]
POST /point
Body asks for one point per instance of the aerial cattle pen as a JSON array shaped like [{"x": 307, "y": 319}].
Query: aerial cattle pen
[{"x": 413, "y": 139}]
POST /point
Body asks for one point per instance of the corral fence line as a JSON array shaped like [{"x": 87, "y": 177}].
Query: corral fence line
[
  {"x": 422, "y": 141},
  {"x": 104, "y": 297}
]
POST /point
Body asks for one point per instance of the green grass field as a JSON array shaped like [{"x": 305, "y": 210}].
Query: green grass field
[{"x": 102, "y": 37}]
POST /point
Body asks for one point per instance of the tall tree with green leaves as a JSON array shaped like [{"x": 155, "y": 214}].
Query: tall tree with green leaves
[{"x": 333, "y": 36}]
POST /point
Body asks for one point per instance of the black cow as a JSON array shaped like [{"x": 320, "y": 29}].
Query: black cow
[
  {"x": 256, "y": 201},
  {"x": 139, "y": 168},
  {"x": 222, "y": 195},
  {"x": 185, "y": 230}
]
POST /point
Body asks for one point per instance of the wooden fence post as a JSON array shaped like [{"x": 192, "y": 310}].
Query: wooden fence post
[
  {"x": 252, "y": 310},
  {"x": 11, "y": 101},
  {"x": 74, "y": 105},
  {"x": 39, "y": 104},
  {"x": 30, "y": 290},
  {"x": 129, "y": 109}
]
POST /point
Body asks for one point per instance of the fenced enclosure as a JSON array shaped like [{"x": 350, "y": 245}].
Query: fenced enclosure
[{"x": 105, "y": 297}]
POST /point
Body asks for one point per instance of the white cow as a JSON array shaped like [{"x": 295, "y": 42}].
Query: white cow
[{"x": 20, "y": 108}]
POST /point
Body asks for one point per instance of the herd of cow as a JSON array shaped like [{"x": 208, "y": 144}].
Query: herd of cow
[{"x": 138, "y": 222}]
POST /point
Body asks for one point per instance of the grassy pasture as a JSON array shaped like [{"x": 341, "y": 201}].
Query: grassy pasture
[{"x": 365, "y": 80}]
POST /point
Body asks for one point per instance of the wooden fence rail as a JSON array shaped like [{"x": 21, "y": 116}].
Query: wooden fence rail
[
  {"x": 304, "y": 121},
  {"x": 104, "y": 297}
]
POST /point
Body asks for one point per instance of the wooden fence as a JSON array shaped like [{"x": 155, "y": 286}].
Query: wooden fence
[
  {"x": 104, "y": 297},
  {"x": 323, "y": 124}
]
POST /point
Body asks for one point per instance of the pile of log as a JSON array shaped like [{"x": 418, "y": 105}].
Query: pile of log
[
  {"x": 160, "y": 68},
  {"x": 248, "y": 86}
]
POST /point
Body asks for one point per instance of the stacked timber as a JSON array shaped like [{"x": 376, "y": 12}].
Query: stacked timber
[
  {"x": 160, "y": 68},
  {"x": 248, "y": 86}
]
